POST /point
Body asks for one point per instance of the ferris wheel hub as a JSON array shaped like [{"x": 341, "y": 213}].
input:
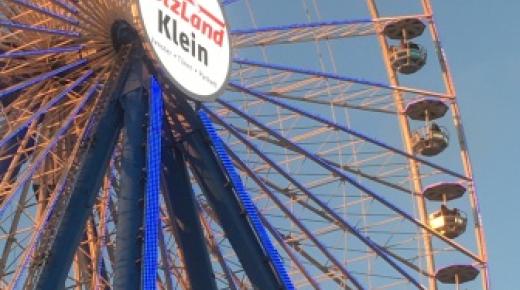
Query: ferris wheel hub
[{"x": 122, "y": 33}]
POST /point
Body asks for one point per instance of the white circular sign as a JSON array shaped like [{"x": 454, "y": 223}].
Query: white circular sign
[{"x": 190, "y": 40}]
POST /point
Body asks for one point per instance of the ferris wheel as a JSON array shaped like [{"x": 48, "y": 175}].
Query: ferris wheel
[{"x": 233, "y": 144}]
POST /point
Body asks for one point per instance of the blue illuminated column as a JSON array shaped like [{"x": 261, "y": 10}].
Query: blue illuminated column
[
  {"x": 152, "y": 213},
  {"x": 247, "y": 204}
]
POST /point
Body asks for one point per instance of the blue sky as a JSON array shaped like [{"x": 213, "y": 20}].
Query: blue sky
[{"x": 481, "y": 41}]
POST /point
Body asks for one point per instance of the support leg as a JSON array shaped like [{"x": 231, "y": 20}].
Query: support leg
[
  {"x": 181, "y": 208},
  {"x": 218, "y": 188},
  {"x": 130, "y": 202},
  {"x": 70, "y": 230}
]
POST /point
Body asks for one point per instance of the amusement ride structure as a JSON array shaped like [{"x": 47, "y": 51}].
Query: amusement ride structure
[{"x": 232, "y": 144}]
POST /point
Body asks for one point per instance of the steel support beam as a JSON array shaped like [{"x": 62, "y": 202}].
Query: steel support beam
[
  {"x": 130, "y": 213},
  {"x": 218, "y": 188},
  {"x": 181, "y": 208},
  {"x": 40, "y": 78},
  {"x": 93, "y": 163},
  {"x": 152, "y": 211},
  {"x": 88, "y": 182}
]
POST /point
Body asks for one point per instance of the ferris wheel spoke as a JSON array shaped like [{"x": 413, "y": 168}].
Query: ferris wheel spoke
[
  {"x": 16, "y": 69},
  {"x": 99, "y": 274},
  {"x": 339, "y": 95},
  {"x": 290, "y": 252},
  {"x": 6, "y": 10},
  {"x": 323, "y": 206},
  {"x": 83, "y": 259},
  {"x": 217, "y": 253},
  {"x": 333, "y": 76},
  {"x": 38, "y": 28},
  {"x": 36, "y": 52},
  {"x": 22, "y": 153},
  {"x": 354, "y": 168},
  {"x": 386, "y": 178},
  {"x": 288, "y": 213},
  {"x": 13, "y": 236},
  {"x": 165, "y": 262},
  {"x": 41, "y": 78},
  {"x": 328, "y": 218},
  {"x": 220, "y": 247},
  {"x": 371, "y": 177},
  {"x": 301, "y": 33},
  {"x": 95, "y": 17},
  {"x": 338, "y": 172},
  {"x": 12, "y": 152},
  {"x": 44, "y": 109},
  {"x": 46, "y": 11},
  {"x": 27, "y": 174},
  {"x": 66, "y": 5},
  {"x": 342, "y": 128},
  {"x": 39, "y": 226},
  {"x": 404, "y": 261},
  {"x": 305, "y": 32},
  {"x": 323, "y": 214},
  {"x": 314, "y": 89}
]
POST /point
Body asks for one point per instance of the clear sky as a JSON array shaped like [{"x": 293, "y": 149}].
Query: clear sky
[{"x": 481, "y": 39}]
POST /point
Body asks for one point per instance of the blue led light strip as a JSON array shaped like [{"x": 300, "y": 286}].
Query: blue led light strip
[
  {"x": 43, "y": 77},
  {"x": 246, "y": 202},
  {"x": 33, "y": 52},
  {"x": 42, "y": 29},
  {"x": 337, "y": 77},
  {"x": 44, "y": 109},
  {"x": 227, "y": 2},
  {"x": 46, "y": 11},
  {"x": 152, "y": 214},
  {"x": 67, "y": 6},
  {"x": 301, "y": 26}
]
